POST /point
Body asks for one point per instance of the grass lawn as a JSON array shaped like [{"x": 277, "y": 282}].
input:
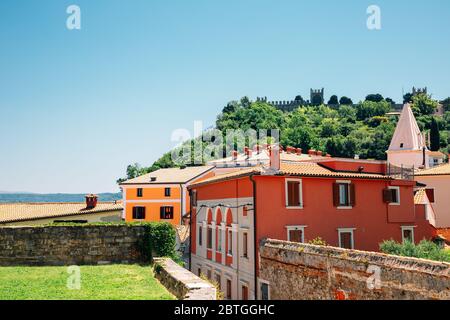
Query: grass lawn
[{"x": 109, "y": 282}]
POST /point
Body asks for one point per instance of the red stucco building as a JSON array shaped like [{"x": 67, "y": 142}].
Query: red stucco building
[{"x": 348, "y": 203}]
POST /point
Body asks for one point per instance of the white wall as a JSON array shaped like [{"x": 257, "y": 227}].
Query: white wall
[
  {"x": 441, "y": 205},
  {"x": 242, "y": 269}
]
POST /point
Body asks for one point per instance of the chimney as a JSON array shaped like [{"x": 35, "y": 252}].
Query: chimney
[
  {"x": 319, "y": 153},
  {"x": 258, "y": 149},
  {"x": 298, "y": 151},
  {"x": 234, "y": 154},
  {"x": 311, "y": 152},
  {"x": 274, "y": 152},
  {"x": 91, "y": 201},
  {"x": 249, "y": 153},
  {"x": 246, "y": 150}
]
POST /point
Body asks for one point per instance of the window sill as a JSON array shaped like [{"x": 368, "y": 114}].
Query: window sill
[
  {"x": 344, "y": 208},
  {"x": 394, "y": 203},
  {"x": 294, "y": 208},
  {"x": 229, "y": 255}
]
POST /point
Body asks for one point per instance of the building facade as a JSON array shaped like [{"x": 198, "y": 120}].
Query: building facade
[
  {"x": 161, "y": 195},
  {"x": 297, "y": 202}
]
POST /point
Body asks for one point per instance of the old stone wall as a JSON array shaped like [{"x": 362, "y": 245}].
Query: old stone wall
[
  {"x": 67, "y": 245},
  {"x": 297, "y": 271},
  {"x": 181, "y": 282}
]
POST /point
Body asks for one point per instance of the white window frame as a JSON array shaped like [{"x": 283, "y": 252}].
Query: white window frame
[
  {"x": 260, "y": 292},
  {"x": 219, "y": 239},
  {"x": 243, "y": 245},
  {"x": 411, "y": 228},
  {"x": 287, "y": 195},
  {"x": 293, "y": 228},
  {"x": 230, "y": 242},
  {"x": 348, "y": 183},
  {"x": 347, "y": 230},
  {"x": 398, "y": 195},
  {"x": 200, "y": 244}
]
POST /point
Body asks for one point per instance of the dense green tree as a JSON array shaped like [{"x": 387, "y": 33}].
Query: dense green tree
[
  {"x": 407, "y": 98},
  {"x": 390, "y": 101},
  {"x": 446, "y": 104},
  {"x": 374, "y": 97},
  {"x": 435, "y": 142},
  {"x": 368, "y": 109},
  {"x": 422, "y": 104},
  {"x": 345, "y": 101},
  {"x": 333, "y": 100}
]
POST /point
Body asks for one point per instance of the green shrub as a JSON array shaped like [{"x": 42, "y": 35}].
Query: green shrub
[{"x": 424, "y": 250}]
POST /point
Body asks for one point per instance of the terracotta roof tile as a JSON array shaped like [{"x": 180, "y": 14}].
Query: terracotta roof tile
[
  {"x": 420, "y": 196},
  {"x": 13, "y": 212},
  {"x": 308, "y": 169},
  {"x": 443, "y": 169},
  {"x": 170, "y": 175}
]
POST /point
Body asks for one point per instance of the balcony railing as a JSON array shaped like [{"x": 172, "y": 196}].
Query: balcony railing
[{"x": 402, "y": 172}]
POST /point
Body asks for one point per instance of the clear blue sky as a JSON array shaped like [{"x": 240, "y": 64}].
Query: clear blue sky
[{"x": 77, "y": 106}]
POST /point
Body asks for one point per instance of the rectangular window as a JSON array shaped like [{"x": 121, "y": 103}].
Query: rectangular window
[
  {"x": 167, "y": 192},
  {"x": 199, "y": 272},
  {"x": 408, "y": 234},
  {"x": 244, "y": 292},
  {"x": 209, "y": 274},
  {"x": 293, "y": 193},
  {"x": 230, "y": 242},
  {"x": 245, "y": 244},
  {"x": 209, "y": 238},
  {"x": 391, "y": 195},
  {"x": 344, "y": 194},
  {"x": 264, "y": 287},
  {"x": 296, "y": 234},
  {"x": 219, "y": 240},
  {"x": 228, "y": 289},
  {"x": 200, "y": 236},
  {"x": 139, "y": 192},
  {"x": 139, "y": 213},
  {"x": 346, "y": 240},
  {"x": 166, "y": 213}
]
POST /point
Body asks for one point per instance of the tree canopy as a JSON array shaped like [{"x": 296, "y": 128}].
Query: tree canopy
[{"x": 344, "y": 130}]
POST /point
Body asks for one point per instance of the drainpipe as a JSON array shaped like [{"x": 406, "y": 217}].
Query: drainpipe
[
  {"x": 190, "y": 230},
  {"x": 255, "y": 238}
]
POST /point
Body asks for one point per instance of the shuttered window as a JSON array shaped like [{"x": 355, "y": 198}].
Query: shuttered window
[
  {"x": 344, "y": 195},
  {"x": 346, "y": 240},
  {"x": 430, "y": 194},
  {"x": 166, "y": 213},
  {"x": 139, "y": 213},
  {"x": 296, "y": 235},
  {"x": 293, "y": 190},
  {"x": 391, "y": 195}
]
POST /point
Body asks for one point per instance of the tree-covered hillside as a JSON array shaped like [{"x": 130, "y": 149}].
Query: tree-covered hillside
[{"x": 364, "y": 129}]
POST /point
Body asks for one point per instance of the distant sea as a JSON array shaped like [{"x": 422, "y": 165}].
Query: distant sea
[{"x": 54, "y": 197}]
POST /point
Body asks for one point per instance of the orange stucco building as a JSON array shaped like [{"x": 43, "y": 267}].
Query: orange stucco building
[{"x": 161, "y": 195}]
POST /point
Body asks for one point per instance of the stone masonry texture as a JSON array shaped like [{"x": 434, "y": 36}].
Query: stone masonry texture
[
  {"x": 298, "y": 271},
  {"x": 181, "y": 282},
  {"x": 71, "y": 245}
]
